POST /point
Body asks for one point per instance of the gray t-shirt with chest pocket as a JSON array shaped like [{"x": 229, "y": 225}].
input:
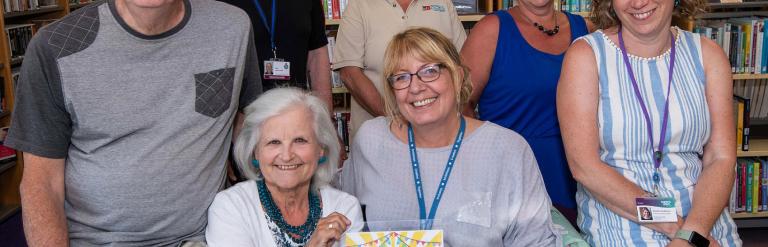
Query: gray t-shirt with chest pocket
[{"x": 144, "y": 122}]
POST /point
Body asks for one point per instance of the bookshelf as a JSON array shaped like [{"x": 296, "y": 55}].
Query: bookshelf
[
  {"x": 742, "y": 81},
  {"x": 11, "y": 172}
]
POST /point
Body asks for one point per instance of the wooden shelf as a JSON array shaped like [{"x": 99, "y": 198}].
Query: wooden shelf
[
  {"x": 738, "y": 5},
  {"x": 337, "y": 90},
  {"x": 41, "y": 10},
  {"x": 332, "y": 22},
  {"x": 749, "y": 215},
  {"x": 749, "y": 76},
  {"x": 584, "y": 14},
  {"x": 470, "y": 18},
  {"x": 757, "y": 147},
  {"x": 9, "y": 165},
  {"x": 8, "y": 210}
]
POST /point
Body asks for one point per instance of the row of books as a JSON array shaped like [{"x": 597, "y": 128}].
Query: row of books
[
  {"x": 79, "y": 1},
  {"x": 574, "y": 5},
  {"x": 335, "y": 76},
  {"x": 25, "y": 5},
  {"x": 742, "y": 39},
  {"x": 19, "y": 36},
  {"x": 742, "y": 110},
  {"x": 334, "y": 8},
  {"x": 750, "y": 188},
  {"x": 750, "y": 104},
  {"x": 342, "y": 127}
]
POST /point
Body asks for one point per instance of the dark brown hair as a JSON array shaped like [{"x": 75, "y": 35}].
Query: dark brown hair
[{"x": 604, "y": 16}]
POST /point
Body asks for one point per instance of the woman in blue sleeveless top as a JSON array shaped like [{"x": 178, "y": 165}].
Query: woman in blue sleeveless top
[{"x": 514, "y": 57}]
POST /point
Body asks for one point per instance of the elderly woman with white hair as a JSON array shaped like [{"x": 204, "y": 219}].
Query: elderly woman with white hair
[{"x": 287, "y": 149}]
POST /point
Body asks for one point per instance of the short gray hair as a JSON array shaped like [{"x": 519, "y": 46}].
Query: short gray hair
[{"x": 273, "y": 103}]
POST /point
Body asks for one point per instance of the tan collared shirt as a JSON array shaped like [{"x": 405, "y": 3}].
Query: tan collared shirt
[{"x": 369, "y": 25}]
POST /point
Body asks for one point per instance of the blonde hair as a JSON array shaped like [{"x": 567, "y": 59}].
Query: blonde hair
[
  {"x": 428, "y": 45},
  {"x": 605, "y": 17}
]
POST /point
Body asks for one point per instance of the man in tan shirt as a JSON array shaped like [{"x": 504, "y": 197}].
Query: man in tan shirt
[{"x": 365, "y": 31}]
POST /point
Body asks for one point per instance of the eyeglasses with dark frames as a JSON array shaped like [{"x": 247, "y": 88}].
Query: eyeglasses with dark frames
[{"x": 427, "y": 73}]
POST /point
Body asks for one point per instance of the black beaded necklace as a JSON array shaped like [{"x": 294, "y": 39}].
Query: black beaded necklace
[
  {"x": 298, "y": 234},
  {"x": 548, "y": 32}
]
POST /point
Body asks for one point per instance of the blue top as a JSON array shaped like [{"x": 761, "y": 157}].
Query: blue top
[{"x": 520, "y": 95}]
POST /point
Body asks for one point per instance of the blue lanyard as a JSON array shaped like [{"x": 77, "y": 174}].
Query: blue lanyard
[
  {"x": 658, "y": 155},
  {"x": 270, "y": 30},
  {"x": 426, "y": 222}
]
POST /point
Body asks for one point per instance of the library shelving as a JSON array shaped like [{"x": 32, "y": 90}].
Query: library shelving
[
  {"x": 757, "y": 147},
  {"x": 10, "y": 172}
]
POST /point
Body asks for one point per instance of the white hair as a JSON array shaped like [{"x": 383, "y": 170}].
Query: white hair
[{"x": 273, "y": 103}]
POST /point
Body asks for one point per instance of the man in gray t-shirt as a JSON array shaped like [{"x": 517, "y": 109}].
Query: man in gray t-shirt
[{"x": 124, "y": 112}]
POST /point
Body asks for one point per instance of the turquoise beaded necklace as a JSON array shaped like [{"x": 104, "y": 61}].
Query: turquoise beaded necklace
[{"x": 298, "y": 234}]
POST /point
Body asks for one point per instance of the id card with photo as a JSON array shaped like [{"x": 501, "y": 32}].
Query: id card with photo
[
  {"x": 277, "y": 70},
  {"x": 656, "y": 209}
]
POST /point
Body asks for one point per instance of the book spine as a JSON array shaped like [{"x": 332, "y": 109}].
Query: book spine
[
  {"x": 748, "y": 178},
  {"x": 764, "y": 187},
  {"x": 756, "y": 186},
  {"x": 745, "y": 133},
  {"x": 742, "y": 178}
]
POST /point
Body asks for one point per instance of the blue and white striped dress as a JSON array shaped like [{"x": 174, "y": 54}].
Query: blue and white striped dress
[{"x": 624, "y": 143}]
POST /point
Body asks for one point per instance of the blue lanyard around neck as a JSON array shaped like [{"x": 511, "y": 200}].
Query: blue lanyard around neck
[
  {"x": 658, "y": 155},
  {"x": 270, "y": 30},
  {"x": 425, "y": 221}
]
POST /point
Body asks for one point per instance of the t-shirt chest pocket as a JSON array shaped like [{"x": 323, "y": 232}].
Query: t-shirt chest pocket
[{"x": 213, "y": 91}]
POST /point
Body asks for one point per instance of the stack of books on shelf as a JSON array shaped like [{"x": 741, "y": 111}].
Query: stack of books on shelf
[
  {"x": 335, "y": 76},
  {"x": 574, "y": 5},
  {"x": 19, "y": 36},
  {"x": 25, "y": 5},
  {"x": 750, "y": 189},
  {"x": 467, "y": 6},
  {"x": 342, "y": 127},
  {"x": 334, "y": 8},
  {"x": 79, "y": 1},
  {"x": 742, "y": 39},
  {"x": 742, "y": 110}
]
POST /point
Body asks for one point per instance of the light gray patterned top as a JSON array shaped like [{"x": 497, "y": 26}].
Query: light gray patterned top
[{"x": 495, "y": 195}]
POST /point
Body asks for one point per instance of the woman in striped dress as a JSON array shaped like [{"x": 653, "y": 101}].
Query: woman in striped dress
[{"x": 645, "y": 110}]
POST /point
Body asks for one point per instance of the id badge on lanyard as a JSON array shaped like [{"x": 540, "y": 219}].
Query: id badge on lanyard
[
  {"x": 277, "y": 69},
  {"x": 653, "y": 209},
  {"x": 274, "y": 68},
  {"x": 656, "y": 209}
]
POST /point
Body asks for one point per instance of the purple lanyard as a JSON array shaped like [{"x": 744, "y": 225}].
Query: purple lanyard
[{"x": 658, "y": 155}]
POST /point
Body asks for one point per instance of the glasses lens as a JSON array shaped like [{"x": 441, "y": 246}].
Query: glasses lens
[
  {"x": 400, "y": 81},
  {"x": 429, "y": 73}
]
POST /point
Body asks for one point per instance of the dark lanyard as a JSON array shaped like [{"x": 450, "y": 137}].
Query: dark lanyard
[
  {"x": 426, "y": 221},
  {"x": 270, "y": 30},
  {"x": 658, "y": 155}
]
